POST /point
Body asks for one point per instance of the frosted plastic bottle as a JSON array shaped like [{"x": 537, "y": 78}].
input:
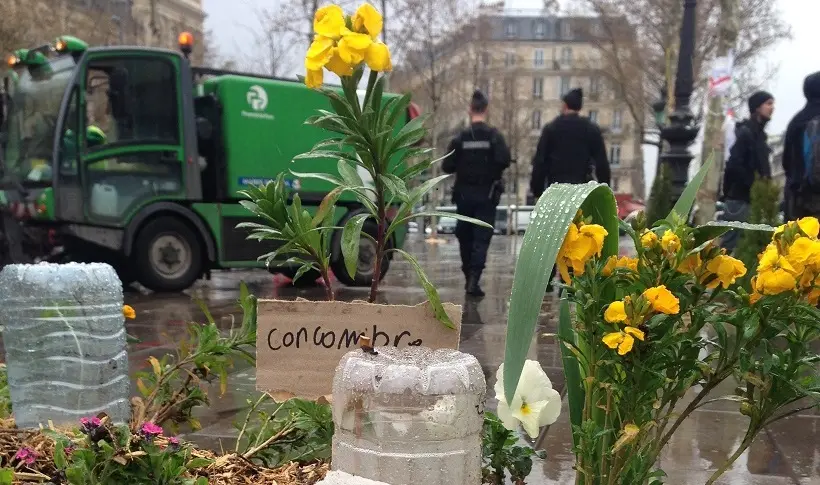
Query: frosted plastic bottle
[
  {"x": 65, "y": 341},
  {"x": 409, "y": 416}
]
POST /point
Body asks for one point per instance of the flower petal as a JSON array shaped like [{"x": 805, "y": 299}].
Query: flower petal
[
  {"x": 552, "y": 410},
  {"x": 318, "y": 53},
  {"x": 377, "y": 57},
  {"x": 504, "y": 412},
  {"x": 626, "y": 345},
  {"x": 314, "y": 78},
  {"x": 329, "y": 21},
  {"x": 635, "y": 332},
  {"x": 530, "y": 419},
  {"x": 337, "y": 66},
  {"x": 616, "y": 312},
  {"x": 612, "y": 340},
  {"x": 369, "y": 19}
]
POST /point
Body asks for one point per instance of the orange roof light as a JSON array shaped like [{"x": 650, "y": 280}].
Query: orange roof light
[
  {"x": 186, "y": 40},
  {"x": 60, "y": 46},
  {"x": 12, "y": 60}
]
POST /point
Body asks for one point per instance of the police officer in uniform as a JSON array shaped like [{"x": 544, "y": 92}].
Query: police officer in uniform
[
  {"x": 571, "y": 147},
  {"x": 478, "y": 157}
]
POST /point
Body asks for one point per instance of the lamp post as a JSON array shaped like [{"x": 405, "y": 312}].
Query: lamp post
[{"x": 680, "y": 131}]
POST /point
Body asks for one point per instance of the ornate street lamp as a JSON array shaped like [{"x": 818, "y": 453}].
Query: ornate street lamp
[{"x": 680, "y": 131}]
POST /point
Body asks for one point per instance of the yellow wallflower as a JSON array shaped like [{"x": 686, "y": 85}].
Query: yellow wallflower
[
  {"x": 368, "y": 20},
  {"x": 578, "y": 247},
  {"x": 774, "y": 273},
  {"x": 727, "y": 269},
  {"x": 341, "y": 50},
  {"x": 329, "y": 21},
  {"x": 649, "y": 239},
  {"x": 623, "y": 340},
  {"x": 662, "y": 300},
  {"x": 803, "y": 252},
  {"x": 128, "y": 312},
  {"x": 610, "y": 265},
  {"x": 614, "y": 262},
  {"x": 670, "y": 242},
  {"x": 810, "y": 226},
  {"x": 690, "y": 264},
  {"x": 615, "y": 312}
]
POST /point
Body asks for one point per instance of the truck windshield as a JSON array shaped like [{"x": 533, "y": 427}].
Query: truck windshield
[{"x": 32, "y": 118}]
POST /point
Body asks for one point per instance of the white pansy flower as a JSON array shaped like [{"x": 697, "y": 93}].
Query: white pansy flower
[{"x": 535, "y": 403}]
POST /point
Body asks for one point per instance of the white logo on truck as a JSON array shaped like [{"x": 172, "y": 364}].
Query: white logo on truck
[{"x": 257, "y": 99}]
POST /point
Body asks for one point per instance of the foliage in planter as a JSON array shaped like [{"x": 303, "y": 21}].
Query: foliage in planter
[
  {"x": 364, "y": 135},
  {"x": 176, "y": 384},
  {"x": 501, "y": 454},
  {"x": 763, "y": 209},
  {"x": 274, "y": 434},
  {"x": 637, "y": 357}
]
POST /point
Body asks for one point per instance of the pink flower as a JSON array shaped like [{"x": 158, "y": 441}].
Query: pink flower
[
  {"x": 173, "y": 440},
  {"x": 90, "y": 424},
  {"x": 149, "y": 430},
  {"x": 26, "y": 455}
]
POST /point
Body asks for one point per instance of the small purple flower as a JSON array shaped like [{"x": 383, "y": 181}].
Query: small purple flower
[
  {"x": 26, "y": 455},
  {"x": 69, "y": 450},
  {"x": 150, "y": 430},
  {"x": 90, "y": 424},
  {"x": 173, "y": 441}
]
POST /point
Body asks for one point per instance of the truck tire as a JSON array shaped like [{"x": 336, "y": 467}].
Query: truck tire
[
  {"x": 367, "y": 250},
  {"x": 168, "y": 255}
]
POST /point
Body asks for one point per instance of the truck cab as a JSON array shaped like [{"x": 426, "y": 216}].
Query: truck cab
[{"x": 128, "y": 155}]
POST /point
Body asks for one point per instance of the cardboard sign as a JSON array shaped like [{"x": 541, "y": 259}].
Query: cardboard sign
[{"x": 299, "y": 343}]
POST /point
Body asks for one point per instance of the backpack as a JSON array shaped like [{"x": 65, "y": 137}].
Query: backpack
[{"x": 811, "y": 155}]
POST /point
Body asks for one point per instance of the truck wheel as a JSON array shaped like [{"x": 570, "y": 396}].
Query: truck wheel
[
  {"x": 367, "y": 259},
  {"x": 168, "y": 255}
]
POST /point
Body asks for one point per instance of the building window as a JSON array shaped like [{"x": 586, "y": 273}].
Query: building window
[
  {"x": 595, "y": 85},
  {"x": 566, "y": 30},
  {"x": 617, "y": 119},
  {"x": 615, "y": 154},
  {"x": 538, "y": 88},
  {"x": 538, "y": 58},
  {"x": 536, "y": 119},
  {"x": 566, "y": 55},
  {"x": 593, "y": 115},
  {"x": 540, "y": 30},
  {"x": 509, "y": 59},
  {"x": 563, "y": 87},
  {"x": 511, "y": 30}
]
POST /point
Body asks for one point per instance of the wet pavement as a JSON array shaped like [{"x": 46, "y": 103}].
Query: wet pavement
[{"x": 788, "y": 453}]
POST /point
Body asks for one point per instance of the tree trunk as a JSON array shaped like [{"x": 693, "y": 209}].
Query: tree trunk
[{"x": 713, "y": 132}]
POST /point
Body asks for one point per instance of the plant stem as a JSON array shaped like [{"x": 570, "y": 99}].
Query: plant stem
[
  {"x": 284, "y": 431},
  {"x": 382, "y": 218},
  {"x": 328, "y": 286},
  {"x": 747, "y": 441},
  {"x": 247, "y": 420}
]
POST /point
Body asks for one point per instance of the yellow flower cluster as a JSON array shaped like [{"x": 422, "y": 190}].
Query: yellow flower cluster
[
  {"x": 791, "y": 261},
  {"x": 632, "y": 313},
  {"x": 719, "y": 269},
  {"x": 341, "y": 44},
  {"x": 614, "y": 262},
  {"x": 582, "y": 242}
]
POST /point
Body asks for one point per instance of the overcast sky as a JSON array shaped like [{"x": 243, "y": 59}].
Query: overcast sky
[{"x": 232, "y": 21}]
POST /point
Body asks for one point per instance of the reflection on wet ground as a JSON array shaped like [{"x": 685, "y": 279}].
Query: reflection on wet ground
[{"x": 788, "y": 453}]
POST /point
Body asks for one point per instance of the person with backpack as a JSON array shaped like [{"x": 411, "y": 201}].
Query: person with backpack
[
  {"x": 478, "y": 156},
  {"x": 748, "y": 159},
  {"x": 801, "y": 155}
]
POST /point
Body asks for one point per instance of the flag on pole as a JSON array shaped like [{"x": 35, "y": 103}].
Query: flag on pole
[{"x": 720, "y": 78}]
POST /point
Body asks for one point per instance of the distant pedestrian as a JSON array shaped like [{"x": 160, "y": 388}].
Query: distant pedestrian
[
  {"x": 571, "y": 147},
  {"x": 801, "y": 150},
  {"x": 748, "y": 159},
  {"x": 479, "y": 156}
]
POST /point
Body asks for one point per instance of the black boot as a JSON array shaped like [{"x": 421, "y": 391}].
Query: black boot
[
  {"x": 473, "y": 288},
  {"x": 466, "y": 278}
]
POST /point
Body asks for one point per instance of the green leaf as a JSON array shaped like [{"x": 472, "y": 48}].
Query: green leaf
[
  {"x": 351, "y": 236},
  {"x": 398, "y": 109},
  {"x": 59, "y": 455},
  {"x": 395, "y": 185},
  {"x": 349, "y": 174},
  {"x": 430, "y": 291},
  {"x": 548, "y": 226},
  {"x": 687, "y": 199},
  {"x": 327, "y": 206},
  {"x": 6, "y": 476},
  {"x": 302, "y": 270},
  {"x": 198, "y": 463},
  {"x": 572, "y": 371},
  {"x": 319, "y": 176}
]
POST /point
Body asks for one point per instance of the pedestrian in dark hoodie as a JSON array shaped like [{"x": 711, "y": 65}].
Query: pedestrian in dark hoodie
[
  {"x": 801, "y": 195},
  {"x": 748, "y": 159},
  {"x": 569, "y": 147}
]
